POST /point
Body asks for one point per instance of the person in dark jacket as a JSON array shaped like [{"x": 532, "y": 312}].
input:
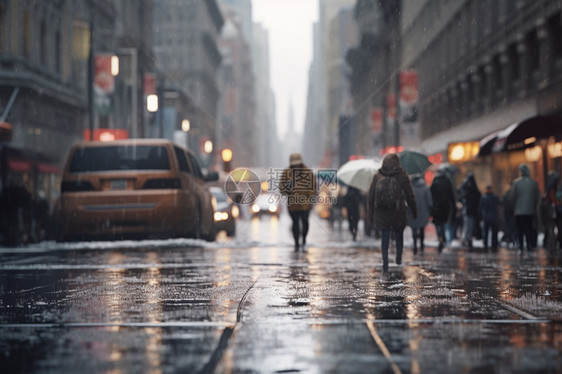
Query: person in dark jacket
[
  {"x": 471, "y": 201},
  {"x": 444, "y": 205},
  {"x": 391, "y": 219},
  {"x": 351, "y": 201},
  {"x": 525, "y": 196},
  {"x": 424, "y": 204},
  {"x": 551, "y": 205},
  {"x": 489, "y": 204}
]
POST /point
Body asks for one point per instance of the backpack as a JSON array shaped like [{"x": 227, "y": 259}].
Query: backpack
[{"x": 388, "y": 193}]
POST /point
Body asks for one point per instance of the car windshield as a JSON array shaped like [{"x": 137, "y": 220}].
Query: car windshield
[{"x": 123, "y": 157}]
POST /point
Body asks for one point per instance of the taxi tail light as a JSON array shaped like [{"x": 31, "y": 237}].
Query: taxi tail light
[
  {"x": 76, "y": 186},
  {"x": 162, "y": 184}
]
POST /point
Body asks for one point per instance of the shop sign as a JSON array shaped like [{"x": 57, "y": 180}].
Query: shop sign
[
  {"x": 462, "y": 152},
  {"x": 376, "y": 120}
]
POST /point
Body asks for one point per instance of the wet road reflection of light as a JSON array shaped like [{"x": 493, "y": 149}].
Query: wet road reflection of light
[{"x": 154, "y": 315}]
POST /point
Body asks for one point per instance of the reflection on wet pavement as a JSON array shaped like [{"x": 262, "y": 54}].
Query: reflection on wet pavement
[{"x": 252, "y": 304}]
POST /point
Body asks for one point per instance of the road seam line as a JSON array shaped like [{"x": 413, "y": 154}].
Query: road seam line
[{"x": 382, "y": 346}]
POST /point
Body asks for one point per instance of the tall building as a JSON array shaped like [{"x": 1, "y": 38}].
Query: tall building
[
  {"x": 188, "y": 58},
  {"x": 237, "y": 130},
  {"x": 266, "y": 129},
  {"x": 332, "y": 36}
]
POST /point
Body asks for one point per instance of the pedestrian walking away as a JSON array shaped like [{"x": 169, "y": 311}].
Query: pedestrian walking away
[
  {"x": 551, "y": 207},
  {"x": 489, "y": 204},
  {"x": 352, "y": 201},
  {"x": 390, "y": 194},
  {"x": 525, "y": 196},
  {"x": 424, "y": 204},
  {"x": 471, "y": 201},
  {"x": 298, "y": 185},
  {"x": 444, "y": 205}
]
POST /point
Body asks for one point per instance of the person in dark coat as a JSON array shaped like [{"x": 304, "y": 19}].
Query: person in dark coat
[
  {"x": 424, "y": 203},
  {"x": 489, "y": 204},
  {"x": 471, "y": 201},
  {"x": 525, "y": 196},
  {"x": 551, "y": 205},
  {"x": 444, "y": 205},
  {"x": 351, "y": 201},
  {"x": 391, "y": 219}
]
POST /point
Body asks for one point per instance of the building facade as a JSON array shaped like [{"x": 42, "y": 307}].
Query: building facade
[{"x": 188, "y": 58}]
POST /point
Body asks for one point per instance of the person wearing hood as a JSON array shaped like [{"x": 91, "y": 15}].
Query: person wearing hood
[
  {"x": 424, "y": 204},
  {"x": 298, "y": 185},
  {"x": 389, "y": 192},
  {"x": 471, "y": 201},
  {"x": 525, "y": 196},
  {"x": 444, "y": 204}
]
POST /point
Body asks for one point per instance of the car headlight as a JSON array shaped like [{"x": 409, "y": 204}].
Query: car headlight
[
  {"x": 235, "y": 211},
  {"x": 255, "y": 208},
  {"x": 273, "y": 208},
  {"x": 221, "y": 216}
]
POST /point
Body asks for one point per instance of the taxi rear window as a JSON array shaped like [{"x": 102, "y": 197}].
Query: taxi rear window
[{"x": 122, "y": 157}]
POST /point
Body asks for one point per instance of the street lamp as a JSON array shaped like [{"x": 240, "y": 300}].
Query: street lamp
[
  {"x": 152, "y": 103},
  {"x": 114, "y": 65},
  {"x": 185, "y": 125},
  {"x": 208, "y": 146},
  {"x": 226, "y": 158}
]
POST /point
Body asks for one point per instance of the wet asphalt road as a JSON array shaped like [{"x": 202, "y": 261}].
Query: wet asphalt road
[{"x": 252, "y": 304}]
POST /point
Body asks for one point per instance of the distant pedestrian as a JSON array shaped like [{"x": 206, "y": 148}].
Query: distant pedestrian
[
  {"x": 424, "y": 204},
  {"x": 489, "y": 204},
  {"x": 444, "y": 204},
  {"x": 352, "y": 201},
  {"x": 471, "y": 201},
  {"x": 298, "y": 185},
  {"x": 550, "y": 207},
  {"x": 509, "y": 236},
  {"x": 389, "y": 193},
  {"x": 525, "y": 196}
]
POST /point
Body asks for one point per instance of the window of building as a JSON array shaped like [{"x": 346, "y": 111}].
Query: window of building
[
  {"x": 43, "y": 44},
  {"x": 514, "y": 62},
  {"x": 27, "y": 34},
  {"x": 497, "y": 73},
  {"x": 58, "y": 56},
  {"x": 555, "y": 32},
  {"x": 534, "y": 50},
  {"x": 3, "y": 26}
]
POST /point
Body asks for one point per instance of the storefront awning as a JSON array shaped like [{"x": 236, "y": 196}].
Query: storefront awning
[
  {"x": 526, "y": 133},
  {"x": 487, "y": 143}
]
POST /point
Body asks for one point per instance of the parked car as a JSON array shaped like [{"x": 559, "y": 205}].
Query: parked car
[
  {"x": 226, "y": 212},
  {"x": 134, "y": 187},
  {"x": 266, "y": 203}
]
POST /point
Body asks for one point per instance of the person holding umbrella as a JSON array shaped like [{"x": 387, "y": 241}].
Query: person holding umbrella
[{"x": 389, "y": 193}]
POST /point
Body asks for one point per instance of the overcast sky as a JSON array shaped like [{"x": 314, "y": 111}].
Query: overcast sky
[{"x": 289, "y": 23}]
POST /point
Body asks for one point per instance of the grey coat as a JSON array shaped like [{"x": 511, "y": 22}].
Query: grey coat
[
  {"x": 424, "y": 203},
  {"x": 525, "y": 193}
]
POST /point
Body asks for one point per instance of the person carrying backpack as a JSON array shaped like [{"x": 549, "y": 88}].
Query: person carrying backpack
[{"x": 389, "y": 193}]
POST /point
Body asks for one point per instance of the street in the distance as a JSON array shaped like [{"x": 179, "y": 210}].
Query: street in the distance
[{"x": 252, "y": 304}]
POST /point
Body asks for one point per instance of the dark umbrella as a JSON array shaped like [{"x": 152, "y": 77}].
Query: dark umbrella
[{"x": 414, "y": 162}]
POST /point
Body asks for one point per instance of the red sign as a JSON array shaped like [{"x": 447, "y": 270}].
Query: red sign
[
  {"x": 376, "y": 120},
  {"x": 103, "y": 80},
  {"x": 149, "y": 83},
  {"x": 106, "y": 135},
  {"x": 391, "y": 107},
  {"x": 409, "y": 93}
]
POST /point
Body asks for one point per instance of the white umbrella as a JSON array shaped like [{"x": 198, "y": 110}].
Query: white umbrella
[{"x": 359, "y": 173}]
